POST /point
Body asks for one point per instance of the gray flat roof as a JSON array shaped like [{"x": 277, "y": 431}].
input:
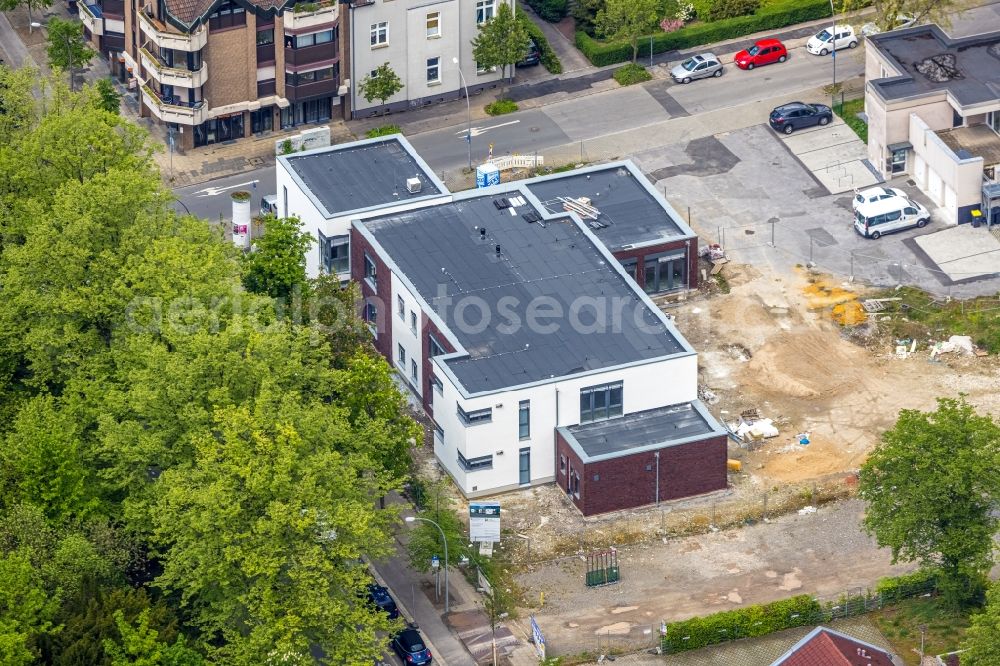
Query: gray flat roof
[
  {"x": 549, "y": 263},
  {"x": 931, "y": 61},
  {"x": 360, "y": 175},
  {"x": 653, "y": 428},
  {"x": 629, "y": 213}
]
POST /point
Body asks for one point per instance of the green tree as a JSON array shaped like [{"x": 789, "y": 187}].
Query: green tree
[
  {"x": 501, "y": 42},
  {"x": 111, "y": 99},
  {"x": 628, "y": 20},
  {"x": 381, "y": 84},
  {"x": 42, "y": 462},
  {"x": 141, "y": 646},
  {"x": 930, "y": 487},
  {"x": 425, "y": 539},
  {"x": 276, "y": 264},
  {"x": 26, "y": 609},
  {"x": 982, "y": 638},
  {"x": 30, "y": 5},
  {"x": 257, "y": 536},
  {"x": 66, "y": 47},
  {"x": 17, "y": 103},
  {"x": 332, "y": 311}
]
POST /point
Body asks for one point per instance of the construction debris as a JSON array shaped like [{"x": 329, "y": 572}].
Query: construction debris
[
  {"x": 707, "y": 396},
  {"x": 713, "y": 252},
  {"x": 755, "y": 430},
  {"x": 962, "y": 343},
  {"x": 807, "y": 510},
  {"x": 873, "y": 305}
]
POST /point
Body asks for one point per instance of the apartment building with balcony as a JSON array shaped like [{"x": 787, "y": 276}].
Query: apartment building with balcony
[
  {"x": 427, "y": 44},
  {"x": 215, "y": 71},
  {"x": 933, "y": 107},
  {"x": 104, "y": 28}
]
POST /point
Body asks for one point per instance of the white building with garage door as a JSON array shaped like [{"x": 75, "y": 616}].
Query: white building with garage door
[{"x": 933, "y": 106}]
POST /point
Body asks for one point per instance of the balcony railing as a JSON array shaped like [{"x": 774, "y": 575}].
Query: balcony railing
[
  {"x": 173, "y": 76},
  {"x": 265, "y": 88},
  {"x": 310, "y": 14},
  {"x": 174, "y": 110},
  {"x": 265, "y": 53},
  {"x": 168, "y": 37},
  {"x": 91, "y": 17},
  {"x": 310, "y": 54},
  {"x": 306, "y": 91}
]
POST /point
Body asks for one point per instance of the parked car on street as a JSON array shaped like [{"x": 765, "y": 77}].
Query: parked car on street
[
  {"x": 700, "y": 66},
  {"x": 824, "y": 42},
  {"x": 269, "y": 205},
  {"x": 875, "y": 219},
  {"x": 764, "y": 52},
  {"x": 409, "y": 645},
  {"x": 796, "y": 115},
  {"x": 533, "y": 56},
  {"x": 379, "y": 597},
  {"x": 876, "y": 194},
  {"x": 902, "y": 21}
]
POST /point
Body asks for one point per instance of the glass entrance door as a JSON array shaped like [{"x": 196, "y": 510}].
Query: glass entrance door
[
  {"x": 525, "y": 467},
  {"x": 665, "y": 272}
]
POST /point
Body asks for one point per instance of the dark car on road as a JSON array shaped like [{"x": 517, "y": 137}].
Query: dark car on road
[
  {"x": 796, "y": 115},
  {"x": 409, "y": 645},
  {"x": 379, "y": 597},
  {"x": 532, "y": 56}
]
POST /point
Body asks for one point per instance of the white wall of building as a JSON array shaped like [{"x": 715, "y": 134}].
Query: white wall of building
[
  {"x": 657, "y": 384},
  {"x": 408, "y": 47},
  {"x": 405, "y": 336},
  {"x": 950, "y": 182}
]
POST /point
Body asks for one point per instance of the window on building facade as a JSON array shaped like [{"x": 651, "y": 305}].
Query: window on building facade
[
  {"x": 434, "y": 347},
  {"x": 993, "y": 120},
  {"x": 562, "y": 464},
  {"x": 228, "y": 15},
  {"x": 302, "y": 78},
  {"x": 524, "y": 419},
  {"x": 434, "y": 70},
  {"x": 401, "y": 307},
  {"x": 598, "y": 403},
  {"x": 475, "y": 417},
  {"x": 370, "y": 271},
  {"x": 413, "y": 371},
  {"x": 413, "y": 320},
  {"x": 401, "y": 355},
  {"x": 433, "y": 24},
  {"x": 574, "y": 486},
  {"x": 371, "y": 318},
  {"x": 439, "y": 433},
  {"x": 265, "y": 37},
  {"x": 485, "y": 9},
  {"x": 335, "y": 253},
  {"x": 313, "y": 38},
  {"x": 380, "y": 33},
  {"x": 474, "y": 464},
  {"x": 436, "y": 383}
]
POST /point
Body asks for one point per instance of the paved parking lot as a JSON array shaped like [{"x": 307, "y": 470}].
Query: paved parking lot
[
  {"x": 745, "y": 191},
  {"x": 834, "y": 155}
]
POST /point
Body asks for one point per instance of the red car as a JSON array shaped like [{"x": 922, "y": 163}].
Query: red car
[{"x": 763, "y": 52}]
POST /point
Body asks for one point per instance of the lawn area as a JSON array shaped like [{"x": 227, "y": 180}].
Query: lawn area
[
  {"x": 849, "y": 111},
  {"x": 901, "y": 622},
  {"x": 920, "y": 316}
]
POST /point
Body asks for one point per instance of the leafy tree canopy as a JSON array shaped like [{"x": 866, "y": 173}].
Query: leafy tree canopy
[{"x": 628, "y": 20}]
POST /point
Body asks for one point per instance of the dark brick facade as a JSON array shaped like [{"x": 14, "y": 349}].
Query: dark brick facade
[
  {"x": 427, "y": 328},
  {"x": 382, "y": 299},
  {"x": 629, "y": 481},
  {"x": 640, "y": 254}
]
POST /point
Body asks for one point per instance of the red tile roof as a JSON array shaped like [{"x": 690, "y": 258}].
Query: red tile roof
[
  {"x": 187, "y": 11},
  {"x": 825, "y": 647}
]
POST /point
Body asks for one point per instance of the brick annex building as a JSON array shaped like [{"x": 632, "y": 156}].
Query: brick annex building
[{"x": 598, "y": 394}]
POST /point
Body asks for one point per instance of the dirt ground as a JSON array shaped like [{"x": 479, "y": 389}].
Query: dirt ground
[{"x": 774, "y": 345}]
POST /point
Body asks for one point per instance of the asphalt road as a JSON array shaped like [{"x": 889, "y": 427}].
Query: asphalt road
[{"x": 210, "y": 200}]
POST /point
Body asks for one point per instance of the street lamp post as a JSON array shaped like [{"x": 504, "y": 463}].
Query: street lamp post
[
  {"x": 468, "y": 136},
  {"x": 411, "y": 519},
  {"x": 833, "y": 52},
  {"x": 69, "y": 51}
]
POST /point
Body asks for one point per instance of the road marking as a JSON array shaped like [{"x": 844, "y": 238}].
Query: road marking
[
  {"x": 476, "y": 131},
  {"x": 215, "y": 191}
]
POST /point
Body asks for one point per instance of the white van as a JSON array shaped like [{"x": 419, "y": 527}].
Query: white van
[
  {"x": 269, "y": 205},
  {"x": 876, "y": 218}
]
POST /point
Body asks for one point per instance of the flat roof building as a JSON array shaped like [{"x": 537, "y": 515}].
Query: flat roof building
[
  {"x": 933, "y": 106},
  {"x": 513, "y": 322}
]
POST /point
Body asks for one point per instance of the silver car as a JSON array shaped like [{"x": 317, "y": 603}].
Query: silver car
[{"x": 700, "y": 66}]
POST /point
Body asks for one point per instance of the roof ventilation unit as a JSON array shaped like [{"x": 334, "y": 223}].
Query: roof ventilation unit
[
  {"x": 413, "y": 185},
  {"x": 501, "y": 203},
  {"x": 531, "y": 216}
]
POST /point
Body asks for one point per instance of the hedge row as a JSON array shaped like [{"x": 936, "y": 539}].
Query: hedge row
[
  {"x": 762, "y": 619},
  {"x": 757, "y": 620},
  {"x": 550, "y": 60},
  {"x": 778, "y": 14},
  {"x": 552, "y": 11}
]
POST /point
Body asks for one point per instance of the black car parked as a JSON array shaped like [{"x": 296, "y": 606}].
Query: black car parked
[
  {"x": 379, "y": 597},
  {"x": 532, "y": 56},
  {"x": 796, "y": 115},
  {"x": 409, "y": 645}
]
